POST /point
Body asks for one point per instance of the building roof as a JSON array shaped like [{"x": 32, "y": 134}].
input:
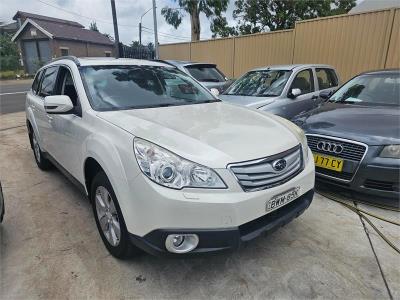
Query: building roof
[
  {"x": 22, "y": 14},
  {"x": 368, "y": 5},
  {"x": 62, "y": 29}
]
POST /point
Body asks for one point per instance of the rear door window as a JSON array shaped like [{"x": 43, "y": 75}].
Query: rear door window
[
  {"x": 326, "y": 78},
  {"x": 48, "y": 82},
  {"x": 206, "y": 73}
]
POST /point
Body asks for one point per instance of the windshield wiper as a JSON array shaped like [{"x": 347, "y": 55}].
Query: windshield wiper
[
  {"x": 267, "y": 95},
  {"x": 209, "y": 79}
]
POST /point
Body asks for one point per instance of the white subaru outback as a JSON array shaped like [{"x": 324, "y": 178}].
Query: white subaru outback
[{"x": 168, "y": 167}]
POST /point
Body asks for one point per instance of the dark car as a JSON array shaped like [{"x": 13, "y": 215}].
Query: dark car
[
  {"x": 355, "y": 136},
  {"x": 205, "y": 73}
]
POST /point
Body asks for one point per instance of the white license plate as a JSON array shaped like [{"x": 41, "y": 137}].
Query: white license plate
[{"x": 282, "y": 199}]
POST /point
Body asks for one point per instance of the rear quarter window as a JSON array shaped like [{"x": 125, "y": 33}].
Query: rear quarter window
[
  {"x": 326, "y": 78},
  {"x": 36, "y": 81}
]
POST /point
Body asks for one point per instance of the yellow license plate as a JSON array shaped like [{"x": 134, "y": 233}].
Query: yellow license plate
[{"x": 328, "y": 162}]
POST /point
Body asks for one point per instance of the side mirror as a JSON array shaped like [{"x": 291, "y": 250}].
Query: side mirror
[
  {"x": 59, "y": 104},
  {"x": 325, "y": 95},
  {"x": 215, "y": 92},
  {"x": 294, "y": 93}
]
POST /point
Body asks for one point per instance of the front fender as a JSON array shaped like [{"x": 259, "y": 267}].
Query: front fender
[{"x": 113, "y": 156}]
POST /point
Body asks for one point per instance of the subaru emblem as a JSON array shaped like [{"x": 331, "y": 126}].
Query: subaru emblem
[{"x": 279, "y": 164}]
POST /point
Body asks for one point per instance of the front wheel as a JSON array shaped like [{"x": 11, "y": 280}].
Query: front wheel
[{"x": 109, "y": 219}]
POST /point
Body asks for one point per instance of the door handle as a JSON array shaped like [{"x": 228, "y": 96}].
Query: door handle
[{"x": 50, "y": 118}]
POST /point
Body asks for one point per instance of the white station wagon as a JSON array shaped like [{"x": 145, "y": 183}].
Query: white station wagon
[{"x": 168, "y": 167}]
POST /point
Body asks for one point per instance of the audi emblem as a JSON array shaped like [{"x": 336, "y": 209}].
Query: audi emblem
[
  {"x": 279, "y": 164},
  {"x": 330, "y": 147}
]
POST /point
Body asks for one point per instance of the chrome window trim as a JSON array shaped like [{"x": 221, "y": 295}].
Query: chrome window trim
[{"x": 343, "y": 140}]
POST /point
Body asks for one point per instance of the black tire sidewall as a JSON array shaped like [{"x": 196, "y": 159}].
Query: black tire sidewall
[{"x": 124, "y": 249}]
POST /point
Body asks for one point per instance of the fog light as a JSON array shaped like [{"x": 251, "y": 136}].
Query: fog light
[{"x": 181, "y": 243}]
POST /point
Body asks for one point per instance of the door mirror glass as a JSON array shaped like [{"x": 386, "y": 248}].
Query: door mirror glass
[
  {"x": 60, "y": 104},
  {"x": 294, "y": 93},
  {"x": 215, "y": 92},
  {"x": 325, "y": 95}
]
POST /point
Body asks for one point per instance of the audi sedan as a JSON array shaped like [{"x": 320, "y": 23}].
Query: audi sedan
[{"x": 355, "y": 136}]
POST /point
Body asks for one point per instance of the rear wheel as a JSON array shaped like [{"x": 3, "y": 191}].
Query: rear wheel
[
  {"x": 109, "y": 219},
  {"x": 42, "y": 162}
]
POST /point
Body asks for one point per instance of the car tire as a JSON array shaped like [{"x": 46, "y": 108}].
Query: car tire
[
  {"x": 42, "y": 162},
  {"x": 109, "y": 219}
]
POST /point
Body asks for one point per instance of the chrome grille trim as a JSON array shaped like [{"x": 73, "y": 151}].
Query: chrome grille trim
[
  {"x": 259, "y": 174},
  {"x": 357, "y": 154}
]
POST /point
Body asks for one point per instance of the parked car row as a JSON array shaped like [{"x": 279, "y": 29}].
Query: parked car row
[
  {"x": 354, "y": 134},
  {"x": 171, "y": 169}
]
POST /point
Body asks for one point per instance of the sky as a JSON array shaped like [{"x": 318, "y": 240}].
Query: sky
[{"x": 128, "y": 14}]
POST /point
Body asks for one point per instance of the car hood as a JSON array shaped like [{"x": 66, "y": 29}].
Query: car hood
[
  {"x": 213, "y": 134},
  {"x": 367, "y": 124},
  {"x": 248, "y": 101}
]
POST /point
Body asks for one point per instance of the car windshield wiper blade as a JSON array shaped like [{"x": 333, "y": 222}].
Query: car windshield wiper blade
[
  {"x": 267, "y": 95},
  {"x": 209, "y": 79}
]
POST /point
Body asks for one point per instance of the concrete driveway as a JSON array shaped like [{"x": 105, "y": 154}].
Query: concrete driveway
[
  {"x": 12, "y": 95},
  {"x": 50, "y": 248}
]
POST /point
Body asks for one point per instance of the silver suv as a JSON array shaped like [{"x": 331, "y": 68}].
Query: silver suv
[{"x": 286, "y": 90}]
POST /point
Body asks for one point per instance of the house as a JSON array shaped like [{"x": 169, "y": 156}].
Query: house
[
  {"x": 369, "y": 5},
  {"x": 41, "y": 38}
]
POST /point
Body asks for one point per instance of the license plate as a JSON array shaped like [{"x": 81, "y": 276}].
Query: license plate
[
  {"x": 328, "y": 162},
  {"x": 282, "y": 199}
]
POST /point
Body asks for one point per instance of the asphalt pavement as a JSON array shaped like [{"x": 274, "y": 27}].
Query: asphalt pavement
[{"x": 12, "y": 95}]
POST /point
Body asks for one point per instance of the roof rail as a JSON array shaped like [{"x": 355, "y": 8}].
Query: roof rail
[{"x": 69, "y": 57}]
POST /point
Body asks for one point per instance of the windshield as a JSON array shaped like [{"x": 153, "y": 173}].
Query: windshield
[
  {"x": 129, "y": 87},
  {"x": 373, "y": 89},
  {"x": 208, "y": 73},
  {"x": 267, "y": 83}
]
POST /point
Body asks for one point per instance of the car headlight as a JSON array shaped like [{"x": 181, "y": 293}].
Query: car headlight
[
  {"x": 391, "y": 151},
  {"x": 171, "y": 170}
]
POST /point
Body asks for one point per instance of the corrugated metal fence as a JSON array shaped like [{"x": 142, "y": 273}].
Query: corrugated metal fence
[{"x": 351, "y": 43}]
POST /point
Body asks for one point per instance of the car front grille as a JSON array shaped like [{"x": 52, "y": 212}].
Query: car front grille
[
  {"x": 260, "y": 174},
  {"x": 351, "y": 151}
]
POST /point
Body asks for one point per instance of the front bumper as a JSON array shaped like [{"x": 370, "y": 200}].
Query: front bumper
[
  {"x": 147, "y": 206},
  {"x": 376, "y": 179},
  {"x": 222, "y": 239}
]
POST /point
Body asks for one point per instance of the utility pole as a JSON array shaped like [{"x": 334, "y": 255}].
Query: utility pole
[
  {"x": 116, "y": 35},
  {"x": 140, "y": 33},
  {"x": 155, "y": 29}
]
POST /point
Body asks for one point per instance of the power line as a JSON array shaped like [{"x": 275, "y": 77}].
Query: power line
[
  {"x": 82, "y": 16},
  {"x": 168, "y": 34}
]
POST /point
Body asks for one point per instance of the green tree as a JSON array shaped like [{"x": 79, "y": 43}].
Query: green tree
[
  {"x": 93, "y": 26},
  {"x": 269, "y": 15},
  {"x": 211, "y": 8},
  {"x": 9, "y": 54}
]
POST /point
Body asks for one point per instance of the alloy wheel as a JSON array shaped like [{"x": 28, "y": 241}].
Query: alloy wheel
[{"x": 107, "y": 216}]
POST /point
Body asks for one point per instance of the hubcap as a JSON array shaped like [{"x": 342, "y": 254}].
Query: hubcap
[
  {"x": 107, "y": 216},
  {"x": 36, "y": 148}
]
